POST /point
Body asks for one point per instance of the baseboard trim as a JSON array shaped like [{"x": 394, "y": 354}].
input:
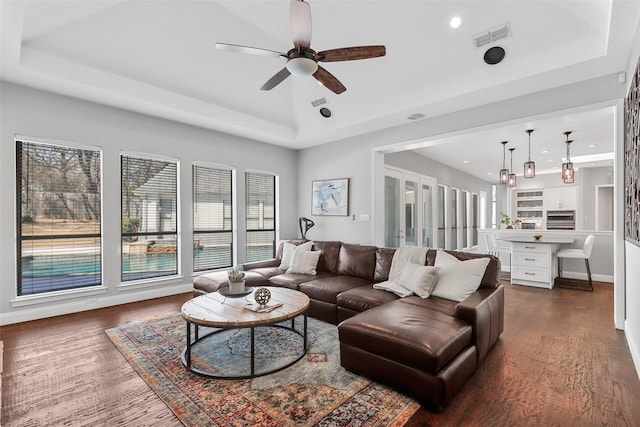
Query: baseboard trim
[
  {"x": 583, "y": 276},
  {"x": 634, "y": 347},
  {"x": 75, "y": 306}
]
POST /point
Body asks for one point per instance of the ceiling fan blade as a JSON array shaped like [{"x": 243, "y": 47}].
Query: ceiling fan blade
[
  {"x": 248, "y": 49},
  {"x": 351, "y": 53},
  {"x": 301, "y": 23},
  {"x": 276, "y": 79},
  {"x": 329, "y": 81}
]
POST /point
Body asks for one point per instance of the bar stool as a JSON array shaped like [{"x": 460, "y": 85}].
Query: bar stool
[
  {"x": 584, "y": 253},
  {"x": 492, "y": 246}
]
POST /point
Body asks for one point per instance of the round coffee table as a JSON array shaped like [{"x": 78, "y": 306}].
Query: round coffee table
[{"x": 222, "y": 312}]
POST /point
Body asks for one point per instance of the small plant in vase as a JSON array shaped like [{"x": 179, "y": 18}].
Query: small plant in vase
[
  {"x": 236, "y": 280},
  {"x": 506, "y": 220}
]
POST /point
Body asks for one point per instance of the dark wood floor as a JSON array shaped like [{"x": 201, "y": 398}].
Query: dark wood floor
[{"x": 559, "y": 362}]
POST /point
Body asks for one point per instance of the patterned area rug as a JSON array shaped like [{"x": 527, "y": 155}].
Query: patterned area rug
[{"x": 314, "y": 391}]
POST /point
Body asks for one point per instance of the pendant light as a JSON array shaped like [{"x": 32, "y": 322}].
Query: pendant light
[
  {"x": 529, "y": 166},
  {"x": 512, "y": 175},
  {"x": 567, "y": 166},
  {"x": 504, "y": 172}
]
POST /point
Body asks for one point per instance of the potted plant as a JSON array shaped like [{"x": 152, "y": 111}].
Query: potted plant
[
  {"x": 236, "y": 280},
  {"x": 504, "y": 219},
  {"x": 510, "y": 224}
]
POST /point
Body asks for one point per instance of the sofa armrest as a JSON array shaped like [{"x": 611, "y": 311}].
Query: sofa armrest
[
  {"x": 484, "y": 311},
  {"x": 274, "y": 262}
]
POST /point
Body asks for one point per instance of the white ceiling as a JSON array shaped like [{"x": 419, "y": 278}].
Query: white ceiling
[{"x": 158, "y": 58}]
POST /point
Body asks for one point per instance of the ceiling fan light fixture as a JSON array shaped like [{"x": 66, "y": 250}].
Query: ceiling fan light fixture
[{"x": 302, "y": 67}]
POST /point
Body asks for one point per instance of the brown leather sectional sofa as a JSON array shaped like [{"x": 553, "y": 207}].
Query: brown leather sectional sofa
[{"x": 427, "y": 348}]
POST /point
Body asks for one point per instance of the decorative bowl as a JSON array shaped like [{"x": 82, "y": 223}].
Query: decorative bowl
[
  {"x": 262, "y": 296},
  {"x": 537, "y": 236}
]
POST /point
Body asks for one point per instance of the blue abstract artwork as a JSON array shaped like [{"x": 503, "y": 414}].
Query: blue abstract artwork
[{"x": 330, "y": 197}]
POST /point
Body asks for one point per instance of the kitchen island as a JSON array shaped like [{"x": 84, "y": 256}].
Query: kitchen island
[
  {"x": 534, "y": 261},
  {"x": 601, "y": 260}
]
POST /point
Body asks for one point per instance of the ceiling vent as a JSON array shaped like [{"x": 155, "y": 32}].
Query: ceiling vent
[
  {"x": 499, "y": 33},
  {"x": 319, "y": 102}
]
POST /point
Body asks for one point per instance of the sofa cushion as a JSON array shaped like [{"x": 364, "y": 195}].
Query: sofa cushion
[
  {"x": 327, "y": 289},
  {"x": 458, "y": 279},
  {"x": 384, "y": 256},
  {"x": 211, "y": 282},
  {"x": 408, "y": 334},
  {"x": 363, "y": 298},
  {"x": 357, "y": 261},
  {"x": 329, "y": 259},
  {"x": 293, "y": 280}
]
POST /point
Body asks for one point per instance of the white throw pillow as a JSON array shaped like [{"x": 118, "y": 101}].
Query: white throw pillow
[
  {"x": 304, "y": 262},
  {"x": 458, "y": 279},
  {"x": 287, "y": 252},
  {"x": 421, "y": 279},
  {"x": 390, "y": 286}
]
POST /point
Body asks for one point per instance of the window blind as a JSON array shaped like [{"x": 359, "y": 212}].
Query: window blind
[
  {"x": 212, "y": 218},
  {"x": 149, "y": 218},
  {"x": 59, "y": 217},
  {"x": 260, "y": 193}
]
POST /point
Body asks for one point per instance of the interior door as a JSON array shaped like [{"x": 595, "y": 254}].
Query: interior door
[{"x": 409, "y": 209}]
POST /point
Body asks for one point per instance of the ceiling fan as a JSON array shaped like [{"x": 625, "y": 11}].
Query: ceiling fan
[{"x": 302, "y": 60}]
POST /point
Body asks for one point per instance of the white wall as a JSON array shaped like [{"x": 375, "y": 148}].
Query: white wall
[
  {"x": 45, "y": 115},
  {"x": 355, "y": 157},
  {"x": 632, "y": 252},
  {"x": 632, "y": 322},
  {"x": 442, "y": 173}
]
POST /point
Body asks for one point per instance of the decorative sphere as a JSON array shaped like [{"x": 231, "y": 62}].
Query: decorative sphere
[{"x": 262, "y": 296}]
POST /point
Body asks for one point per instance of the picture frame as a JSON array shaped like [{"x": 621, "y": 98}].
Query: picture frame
[
  {"x": 632, "y": 161},
  {"x": 330, "y": 197}
]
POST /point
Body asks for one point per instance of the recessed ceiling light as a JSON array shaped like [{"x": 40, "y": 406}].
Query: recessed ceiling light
[
  {"x": 592, "y": 145},
  {"x": 455, "y": 22},
  {"x": 550, "y": 160},
  {"x": 489, "y": 173},
  {"x": 545, "y": 151},
  {"x": 465, "y": 161}
]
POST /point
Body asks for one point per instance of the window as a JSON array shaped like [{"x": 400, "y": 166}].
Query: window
[
  {"x": 212, "y": 217},
  {"x": 59, "y": 217},
  {"x": 260, "y": 206},
  {"x": 149, "y": 218}
]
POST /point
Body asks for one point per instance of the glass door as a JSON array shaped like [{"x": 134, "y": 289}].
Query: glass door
[
  {"x": 409, "y": 202},
  {"x": 392, "y": 230},
  {"x": 428, "y": 207}
]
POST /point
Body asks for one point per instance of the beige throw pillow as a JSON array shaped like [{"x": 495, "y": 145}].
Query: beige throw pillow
[
  {"x": 421, "y": 279},
  {"x": 287, "y": 252},
  {"x": 304, "y": 262},
  {"x": 458, "y": 279}
]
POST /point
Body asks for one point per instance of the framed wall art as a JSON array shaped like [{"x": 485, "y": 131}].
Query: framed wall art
[
  {"x": 330, "y": 197},
  {"x": 632, "y": 161}
]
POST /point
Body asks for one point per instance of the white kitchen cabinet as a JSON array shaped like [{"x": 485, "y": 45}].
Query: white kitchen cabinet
[
  {"x": 533, "y": 264},
  {"x": 560, "y": 198}
]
